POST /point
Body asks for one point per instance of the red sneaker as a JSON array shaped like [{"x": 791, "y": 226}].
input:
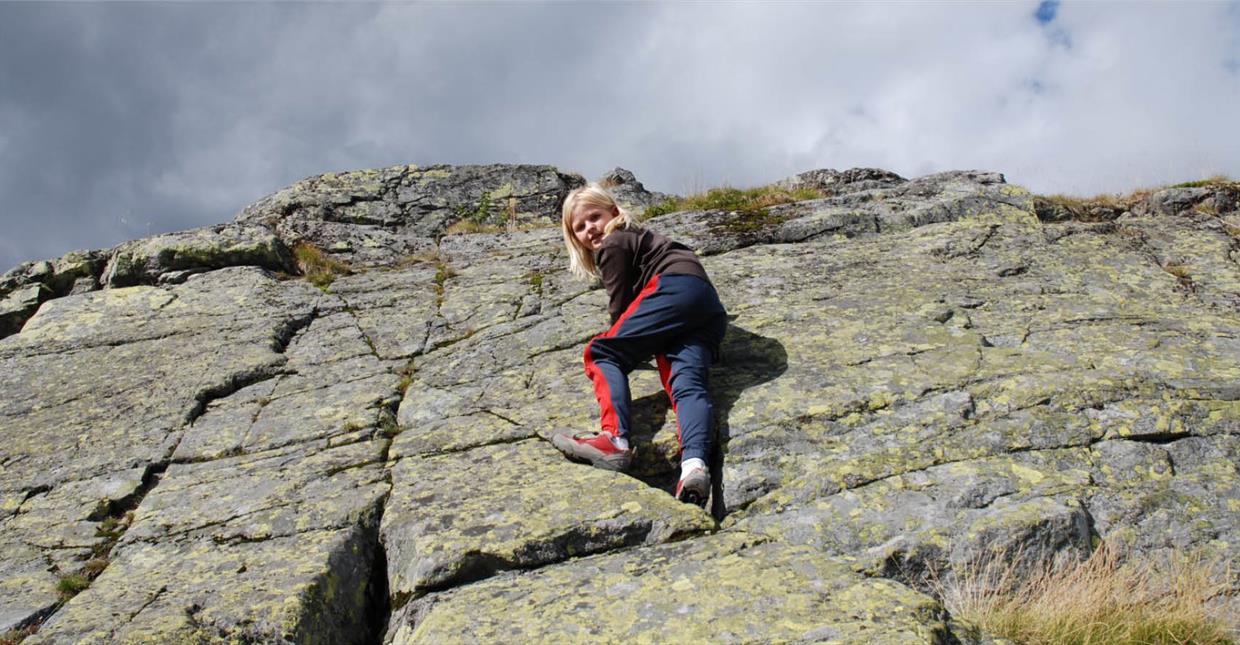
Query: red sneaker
[
  {"x": 694, "y": 487},
  {"x": 593, "y": 447}
]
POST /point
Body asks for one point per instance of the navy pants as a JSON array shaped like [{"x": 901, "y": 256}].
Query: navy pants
[{"x": 679, "y": 320}]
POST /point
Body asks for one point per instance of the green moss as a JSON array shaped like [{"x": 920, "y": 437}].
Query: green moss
[
  {"x": 535, "y": 278},
  {"x": 442, "y": 273},
  {"x": 71, "y": 585},
  {"x": 388, "y": 426}
]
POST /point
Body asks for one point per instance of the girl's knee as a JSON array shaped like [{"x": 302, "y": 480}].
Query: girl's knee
[{"x": 684, "y": 388}]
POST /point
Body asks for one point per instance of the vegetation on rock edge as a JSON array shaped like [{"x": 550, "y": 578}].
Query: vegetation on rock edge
[
  {"x": 1104, "y": 600},
  {"x": 319, "y": 268},
  {"x": 750, "y": 200}
]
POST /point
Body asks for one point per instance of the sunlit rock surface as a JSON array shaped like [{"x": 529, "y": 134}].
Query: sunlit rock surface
[{"x": 916, "y": 373}]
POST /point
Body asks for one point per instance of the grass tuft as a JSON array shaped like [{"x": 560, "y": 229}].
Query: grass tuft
[
  {"x": 535, "y": 279},
  {"x": 1105, "y": 600},
  {"x": 319, "y": 268},
  {"x": 95, "y": 566},
  {"x": 429, "y": 256},
  {"x": 470, "y": 226},
  {"x": 389, "y": 427},
  {"x": 1182, "y": 272},
  {"x": 71, "y": 585},
  {"x": 1216, "y": 180},
  {"x": 442, "y": 273},
  {"x": 111, "y": 528},
  {"x": 751, "y": 200}
]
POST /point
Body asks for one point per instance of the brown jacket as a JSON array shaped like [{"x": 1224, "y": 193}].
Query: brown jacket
[{"x": 630, "y": 257}]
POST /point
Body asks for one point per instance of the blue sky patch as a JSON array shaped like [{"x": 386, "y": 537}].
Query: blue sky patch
[{"x": 1046, "y": 11}]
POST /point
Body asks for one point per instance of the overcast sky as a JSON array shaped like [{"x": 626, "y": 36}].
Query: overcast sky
[{"x": 119, "y": 121}]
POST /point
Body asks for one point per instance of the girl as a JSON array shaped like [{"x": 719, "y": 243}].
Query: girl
[{"x": 661, "y": 303}]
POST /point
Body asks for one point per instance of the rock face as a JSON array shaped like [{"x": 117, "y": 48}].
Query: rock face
[
  {"x": 917, "y": 372},
  {"x": 365, "y": 218}
]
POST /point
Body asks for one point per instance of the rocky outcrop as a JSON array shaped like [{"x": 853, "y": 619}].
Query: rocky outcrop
[
  {"x": 916, "y": 372},
  {"x": 630, "y": 193},
  {"x": 378, "y": 217},
  {"x": 364, "y": 218},
  {"x": 173, "y": 257},
  {"x": 26, "y": 286},
  {"x": 833, "y": 182}
]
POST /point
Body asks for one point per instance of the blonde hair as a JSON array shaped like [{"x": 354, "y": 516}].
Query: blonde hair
[{"x": 580, "y": 258}]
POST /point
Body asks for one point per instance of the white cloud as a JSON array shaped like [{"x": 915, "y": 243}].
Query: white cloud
[{"x": 179, "y": 115}]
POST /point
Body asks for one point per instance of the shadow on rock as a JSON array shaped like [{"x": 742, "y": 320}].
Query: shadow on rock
[{"x": 747, "y": 360}]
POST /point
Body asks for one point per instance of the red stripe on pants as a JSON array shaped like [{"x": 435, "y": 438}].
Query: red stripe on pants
[
  {"x": 602, "y": 391},
  {"x": 665, "y": 375}
]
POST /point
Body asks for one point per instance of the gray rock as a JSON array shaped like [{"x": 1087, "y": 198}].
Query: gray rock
[
  {"x": 75, "y": 272},
  {"x": 725, "y": 588},
  {"x": 106, "y": 383},
  {"x": 379, "y": 217},
  {"x": 630, "y": 193},
  {"x": 834, "y": 182},
  {"x": 178, "y": 255},
  {"x": 1173, "y": 201},
  {"x": 19, "y": 305},
  {"x": 916, "y": 375},
  {"x": 438, "y": 532},
  {"x": 945, "y": 197}
]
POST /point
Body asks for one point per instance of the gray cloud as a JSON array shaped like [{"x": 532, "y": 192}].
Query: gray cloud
[{"x": 123, "y": 120}]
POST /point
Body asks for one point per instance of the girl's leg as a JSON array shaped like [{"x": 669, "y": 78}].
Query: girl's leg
[
  {"x": 669, "y": 309},
  {"x": 606, "y": 366},
  {"x": 666, "y": 309},
  {"x": 608, "y": 448},
  {"x": 609, "y": 357},
  {"x": 685, "y": 369}
]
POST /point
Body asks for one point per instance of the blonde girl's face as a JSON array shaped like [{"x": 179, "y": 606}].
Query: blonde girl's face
[{"x": 588, "y": 223}]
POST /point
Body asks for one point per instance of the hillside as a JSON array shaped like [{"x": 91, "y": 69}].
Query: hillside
[{"x": 917, "y": 373}]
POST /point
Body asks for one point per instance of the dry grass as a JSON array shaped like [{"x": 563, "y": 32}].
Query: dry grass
[
  {"x": 471, "y": 226},
  {"x": 1108, "y": 200},
  {"x": 318, "y": 267},
  {"x": 14, "y": 636},
  {"x": 1216, "y": 180},
  {"x": 429, "y": 256},
  {"x": 1102, "y": 207},
  {"x": 749, "y": 200},
  {"x": 1105, "y": 600},
  {"x": 1107, "y": 205},
  {"x": 486, "y": 217},
  {"x": 1183, "y": 274}
]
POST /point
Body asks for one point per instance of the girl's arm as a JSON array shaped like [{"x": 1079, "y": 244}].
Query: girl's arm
[{"x": 615, "y": 265}]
